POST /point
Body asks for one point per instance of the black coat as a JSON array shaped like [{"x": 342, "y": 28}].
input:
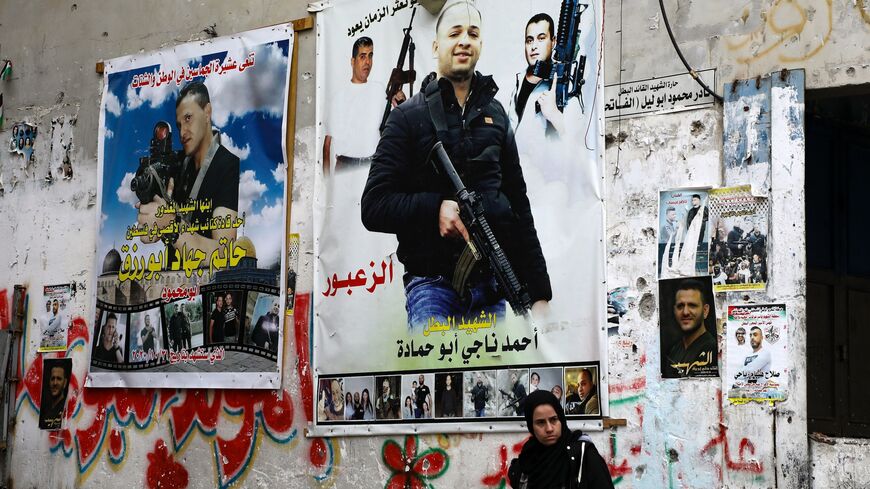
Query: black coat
[{"x": 404, "y": 191}]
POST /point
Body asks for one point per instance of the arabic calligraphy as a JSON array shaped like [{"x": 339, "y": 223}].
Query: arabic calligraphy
[
  {"x": 169, "y": 294},
  {"x": 200, "y": 354},
  {"x": 704, "y": 359},
  {"x": 360, "y": 279},
  {"x": 454, "y": 346},
  {"x": 378, "y": 14},
  {"x": 181, "y": 226},
  {"x": 139, "y": 268},
  {"x": 187, "y": 73},
  {"x": 656, "y": 95},
  {"x": 484, "y": 321}
]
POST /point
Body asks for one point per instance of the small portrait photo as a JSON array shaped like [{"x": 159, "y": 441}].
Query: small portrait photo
[
  {"x": 480, "y": 398},
  {"x": 15, "y": 131},
  {"x": 418, "y": 389},
  {"x": 358, "y": 401},
  {"x": 448, "y": 395},
  {"x": 581, "y": 389},
  {"x": 147, "y": 340},
  {"x": 263, "y": 316},
  {"x": 387, "y": 404},
  {"x": 56, "y": 373},
  {"x": 330, "y": 399},
  {"x": 224, "y": 320},
  {"x": 185, "y": 323},
  {"x": 109, "y": 344},
  {"x": 513, "y": 384},
  {"x": 547, "y": 378}
]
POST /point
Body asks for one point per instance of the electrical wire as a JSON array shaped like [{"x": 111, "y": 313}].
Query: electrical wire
[{"x": 683, "y": 58}]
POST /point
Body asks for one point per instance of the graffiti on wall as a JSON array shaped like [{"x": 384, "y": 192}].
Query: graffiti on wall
[{"x": 101, "y": 420}]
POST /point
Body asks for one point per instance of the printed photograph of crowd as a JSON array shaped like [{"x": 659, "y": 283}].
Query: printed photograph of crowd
[{"x": 738, "y": 252}]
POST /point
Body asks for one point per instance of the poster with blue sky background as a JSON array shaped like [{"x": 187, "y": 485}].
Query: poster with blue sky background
[{"x": 191, "y": 195}]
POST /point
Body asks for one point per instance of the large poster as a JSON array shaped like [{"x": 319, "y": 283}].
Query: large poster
[
  {"x": 406, "y": 313},
  {"x": 738, "y": 253},
  {"x": 192, "y": 201}
]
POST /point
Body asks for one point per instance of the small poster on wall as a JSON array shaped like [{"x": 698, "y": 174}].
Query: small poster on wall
[
  {"x": 757, "y": 352},
  {"x": 687, "y": 319}
]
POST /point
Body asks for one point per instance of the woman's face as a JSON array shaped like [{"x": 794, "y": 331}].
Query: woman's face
[
  {"x": 426, "y": 407},
  {"x": 336, "y": 390},
  {"x": 348, "y": 398},
  {"x": 408, "y": 401},
  {"x": 448, "y": 381},
  {"x": 365, "y": 396},
  {"x": 557, "y": 391}
]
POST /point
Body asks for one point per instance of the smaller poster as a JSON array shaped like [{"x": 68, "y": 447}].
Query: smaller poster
[
  {"x": 756, "y": 349},
  {"x": 55, "y": 386},
  {"x": 54, "y": 322},
  {"x": 687, "y": 320},
  {"x": 738, "y": 252},
  {"x": 684, "y": 243}
]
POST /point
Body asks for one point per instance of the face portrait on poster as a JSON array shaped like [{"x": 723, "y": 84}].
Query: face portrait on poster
[
  {"x": 687, "y": 327},
  {"x": 55, "y": 387},
  {"x": 757, "y": 350},
  {"x": 683, "y": 240},
  {"x": 54, "y": 321},
  {"x": 390, "y": 279},
  {"x": 192, "y": 185}
]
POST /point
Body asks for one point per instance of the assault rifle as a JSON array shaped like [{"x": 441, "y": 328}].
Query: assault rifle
[
  {"x": 482, "y": 241},
  {"x": 570, "y": 73},
  {"x": 399, "y": 76}
]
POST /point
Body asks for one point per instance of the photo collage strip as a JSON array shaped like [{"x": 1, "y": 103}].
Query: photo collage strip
[{"x": 455, "y": 396}]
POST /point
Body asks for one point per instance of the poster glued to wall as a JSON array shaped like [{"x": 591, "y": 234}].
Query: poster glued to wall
[
  {"x": 191, "y": 193},
  {"x": 55, "y": 390},
  {"x": 684, "y": 243},
  {"x": 54, "y": 321},
  {"x": 438, "y": 335},
  {"x": 757, "y": 352},
  {"x": 738, "y": 251}
]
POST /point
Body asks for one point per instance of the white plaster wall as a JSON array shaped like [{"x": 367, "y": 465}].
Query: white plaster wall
[{"x": 678, "y": 433}]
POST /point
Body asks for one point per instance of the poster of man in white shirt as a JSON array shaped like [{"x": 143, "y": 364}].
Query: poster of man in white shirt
[{"x": 757, "y": 370}]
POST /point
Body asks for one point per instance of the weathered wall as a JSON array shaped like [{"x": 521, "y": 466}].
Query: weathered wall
[{"x": 679, "y": 434}]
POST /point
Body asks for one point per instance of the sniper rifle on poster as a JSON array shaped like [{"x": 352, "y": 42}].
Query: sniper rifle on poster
[
  {"x": 399, "y": 76},
  {"x": 482, "y": 242}
]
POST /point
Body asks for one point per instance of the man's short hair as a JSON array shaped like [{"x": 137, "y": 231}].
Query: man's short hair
[
  {"x": 450, "y": 5},
  {"x": 756, "y": 327},
  {"x": 362, "y": 42},
  {"x": 588, "y": 372},
  {"x": 698, "y": 196},
  {"x": 196, "y": 89},
  {"x": 740, "y": 330},
  {"x": 111, "y": 316},
  {"x": 692, "y": 284},
  {"x": 542, "y": 17},
  {"x": 671, "y": 208}
]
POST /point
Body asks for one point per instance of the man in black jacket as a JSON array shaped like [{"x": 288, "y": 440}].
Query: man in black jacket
[{"x": 405, "y": 194}]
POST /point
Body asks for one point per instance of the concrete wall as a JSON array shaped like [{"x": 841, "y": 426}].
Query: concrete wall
[{"x": 679, "y": 434}]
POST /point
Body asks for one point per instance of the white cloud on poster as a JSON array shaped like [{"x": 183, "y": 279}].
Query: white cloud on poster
[
  {"x": 154, "y": 96},
  {"x": 258, "y": 88},
  {"x": 261, "y": 229},
  {"x": 113, "y": 104},
  {"x": 125, "y": 193},
  {"x": 280, "y": 173},
  {"x": 110, "y": 133},
  {"x": 250, "y": 190},
  {"x": 228, "y": 143}
]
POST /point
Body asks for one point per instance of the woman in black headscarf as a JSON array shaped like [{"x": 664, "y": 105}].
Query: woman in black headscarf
[{"x": 555, "y": 457}]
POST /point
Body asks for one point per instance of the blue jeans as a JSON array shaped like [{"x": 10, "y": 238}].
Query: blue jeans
[
  {"x": 433, "y": 298},
  {"x": 480, "y": 412}
]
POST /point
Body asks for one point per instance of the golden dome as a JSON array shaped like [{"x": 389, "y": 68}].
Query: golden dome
[{"x": 248, "y": 245}]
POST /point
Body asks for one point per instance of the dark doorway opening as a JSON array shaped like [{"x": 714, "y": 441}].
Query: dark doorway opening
[{"x": 838, "y": 261}]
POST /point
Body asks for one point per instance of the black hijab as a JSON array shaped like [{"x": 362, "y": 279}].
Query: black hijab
[{"x": 546, "y": 466}]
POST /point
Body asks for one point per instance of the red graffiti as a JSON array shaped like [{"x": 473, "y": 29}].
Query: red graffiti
[
  {"x": 500, "y": 478},
  {"x": 635, "y": 385},
  {"x": 303, "y": 367},
  {"x": 318, "y": 454},
  {"x": 163, "y": 471},
  {"x": 4, "y": 309},
  {"x": 740, "y": 464}
]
